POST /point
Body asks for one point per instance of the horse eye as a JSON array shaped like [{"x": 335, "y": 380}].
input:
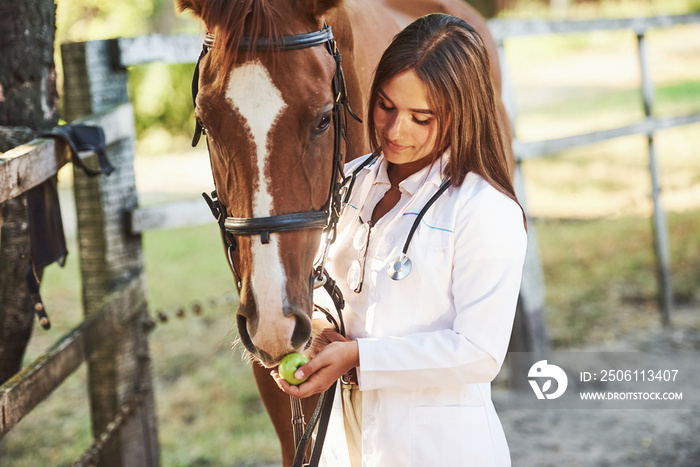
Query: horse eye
[{"x": 323, "y": 124}]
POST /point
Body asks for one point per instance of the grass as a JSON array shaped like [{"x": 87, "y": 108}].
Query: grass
[{"x": 600, "y": 274}]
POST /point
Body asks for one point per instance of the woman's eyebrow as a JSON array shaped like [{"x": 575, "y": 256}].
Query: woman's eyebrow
[
  {"x": 420, "y": 111},
  {"x": 381, "y": 91}
]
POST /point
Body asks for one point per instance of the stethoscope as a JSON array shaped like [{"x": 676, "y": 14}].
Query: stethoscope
[{"x": 400, "y": 267}]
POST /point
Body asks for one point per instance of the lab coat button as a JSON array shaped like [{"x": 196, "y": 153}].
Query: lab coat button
[
  {"x": 373, "y": 295},
  {"x": 390, "y": 239},
  {"x": 371, "y": 420}
]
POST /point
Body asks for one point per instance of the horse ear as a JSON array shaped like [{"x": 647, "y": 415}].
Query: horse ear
[
  {"x": 195, "y": 6},
  {"x": 318, "y": 8}
]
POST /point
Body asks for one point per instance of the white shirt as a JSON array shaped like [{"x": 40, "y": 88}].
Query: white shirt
[{"x": 430, "y": 344}]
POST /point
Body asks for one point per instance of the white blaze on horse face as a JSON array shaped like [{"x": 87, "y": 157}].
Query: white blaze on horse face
[{"x": 253, "y": 94}]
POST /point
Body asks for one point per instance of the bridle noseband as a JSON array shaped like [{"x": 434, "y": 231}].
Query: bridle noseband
[{"x": 327, "y": 217}]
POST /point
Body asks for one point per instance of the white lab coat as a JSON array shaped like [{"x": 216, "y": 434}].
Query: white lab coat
[{"x": 430, "y": 344}]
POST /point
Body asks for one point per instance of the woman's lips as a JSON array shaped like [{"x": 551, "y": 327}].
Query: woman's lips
[{"x": 393, "y": 146}]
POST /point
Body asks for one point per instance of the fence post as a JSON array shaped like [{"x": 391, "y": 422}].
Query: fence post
[
  {"x": 661, "y": 248},
  {"x": 530, "y": 327},
  {"x": 110, "y": 255}
]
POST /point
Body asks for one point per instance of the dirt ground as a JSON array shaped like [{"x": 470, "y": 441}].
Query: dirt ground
[{"x": 607, "y": 437}]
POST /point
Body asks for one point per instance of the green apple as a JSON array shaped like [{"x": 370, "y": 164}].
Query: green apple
[{"x": 289, "y": 365}]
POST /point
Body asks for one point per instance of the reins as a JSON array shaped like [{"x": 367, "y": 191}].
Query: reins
[{"x": 326, "y": 218}]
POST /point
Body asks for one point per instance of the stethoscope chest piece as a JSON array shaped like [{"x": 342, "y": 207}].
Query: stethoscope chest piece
[{"x": 399, "y": 268}]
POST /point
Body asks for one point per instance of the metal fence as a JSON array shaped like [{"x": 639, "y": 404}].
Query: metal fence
[{"x": 507, "y": 29}]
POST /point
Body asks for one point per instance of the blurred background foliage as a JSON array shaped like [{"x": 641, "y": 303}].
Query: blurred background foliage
[{"x": 160, "y": 93}]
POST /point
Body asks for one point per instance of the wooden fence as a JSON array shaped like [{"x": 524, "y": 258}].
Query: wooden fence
[
  {"x": 506, "y": 29},
  {"x": 112, "y": 339}
]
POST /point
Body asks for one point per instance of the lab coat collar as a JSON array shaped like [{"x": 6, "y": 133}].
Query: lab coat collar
[{"x": 431, "y": 174}]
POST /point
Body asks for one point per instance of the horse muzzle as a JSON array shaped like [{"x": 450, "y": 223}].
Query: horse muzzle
[{"x": 269, "y": 337}]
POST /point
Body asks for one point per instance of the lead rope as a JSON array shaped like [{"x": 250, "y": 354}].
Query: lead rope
[
  {"x": 329, "y": 284},
  {"x": 322, "y": 412},
  {"x": 297, "y": 421}
]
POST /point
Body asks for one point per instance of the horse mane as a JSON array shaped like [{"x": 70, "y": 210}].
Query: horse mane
[{"x": 231, "y": 21}]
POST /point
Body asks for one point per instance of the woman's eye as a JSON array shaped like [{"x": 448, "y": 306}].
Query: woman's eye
[
  {"x": 421, "y": 122},
  {"x": 384, "y": 107},
  {"x": 323, "y": 124}
]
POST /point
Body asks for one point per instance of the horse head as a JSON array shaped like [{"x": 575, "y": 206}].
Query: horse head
[{"x": 267, "y": 110}]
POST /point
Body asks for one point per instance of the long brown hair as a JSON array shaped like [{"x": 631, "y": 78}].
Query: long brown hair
[{"x": 449, "y": 57}]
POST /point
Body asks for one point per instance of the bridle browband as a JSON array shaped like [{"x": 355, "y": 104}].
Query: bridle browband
[{"x": 326, "y": 218}]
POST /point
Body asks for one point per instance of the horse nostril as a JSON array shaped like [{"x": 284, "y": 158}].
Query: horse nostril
[
  {"x": 247, "y": 315},
  {"x": 246, "y": 310},
  {"x": 244, "y": 335},
  {"x": 302, "y": 330}
]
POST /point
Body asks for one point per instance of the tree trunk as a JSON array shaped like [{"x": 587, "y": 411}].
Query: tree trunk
[{"x": 28, "y": 102}]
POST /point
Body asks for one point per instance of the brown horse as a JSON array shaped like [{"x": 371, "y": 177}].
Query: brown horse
[{"x": 267, "y": 112}]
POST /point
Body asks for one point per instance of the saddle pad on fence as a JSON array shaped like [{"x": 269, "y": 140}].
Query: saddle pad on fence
[
  {"x": 47, "y": 238},
  {"x": 83, "y": 138}
]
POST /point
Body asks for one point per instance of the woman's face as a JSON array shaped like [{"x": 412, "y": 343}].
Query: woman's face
[{"x": 406, "y": 125}]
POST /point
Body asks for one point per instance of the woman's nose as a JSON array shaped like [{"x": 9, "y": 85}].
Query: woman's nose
[{"x": 395, "y": 128}]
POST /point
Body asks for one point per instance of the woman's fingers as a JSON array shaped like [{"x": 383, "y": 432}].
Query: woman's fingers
[
  {"x": 322, "y": 371},
  {"x": 285, "y": 386},
  {"x": 306, "y": 389},
  {"x": 307, "y": 369},
  {"x": 323, "y": 334}
]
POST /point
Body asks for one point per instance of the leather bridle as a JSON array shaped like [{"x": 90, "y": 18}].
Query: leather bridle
[{"x": 326, "y": 218}]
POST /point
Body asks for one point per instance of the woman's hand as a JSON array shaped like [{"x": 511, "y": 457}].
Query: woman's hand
[{"x": 336, "y": 359}]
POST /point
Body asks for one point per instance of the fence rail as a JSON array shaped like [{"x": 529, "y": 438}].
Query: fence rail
[
  {"x": 112, "y": 339},
  {"x": 506, "y": 29},
  {"x": 31, "y": 164},
  {"x": 184, "y": 48},
  {"x": 21, "y": 393},
  {"x": 535, "y": 149}
]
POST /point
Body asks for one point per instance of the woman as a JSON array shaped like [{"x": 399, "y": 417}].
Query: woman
[{"x": 427, "y": 335}]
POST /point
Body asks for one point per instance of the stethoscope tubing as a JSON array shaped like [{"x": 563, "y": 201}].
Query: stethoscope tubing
[
  {"x": 422, "y": 212},
  {"x": 400, "y": 267}
]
